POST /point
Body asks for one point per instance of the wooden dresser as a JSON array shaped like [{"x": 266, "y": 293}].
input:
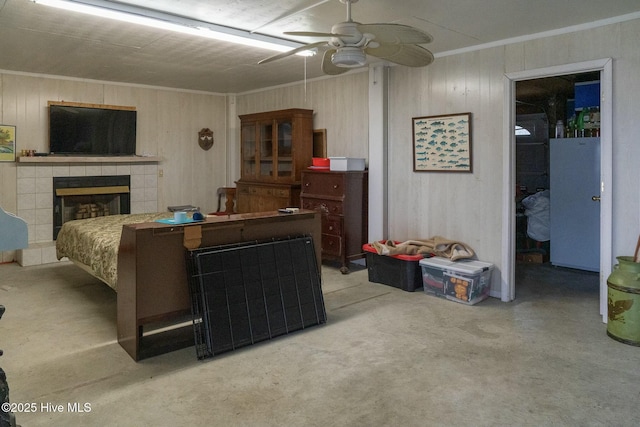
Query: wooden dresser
[{"x": 342, "y": 198}]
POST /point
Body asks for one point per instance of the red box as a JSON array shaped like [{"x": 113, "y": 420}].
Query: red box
[{"x": 322, "y": 162}]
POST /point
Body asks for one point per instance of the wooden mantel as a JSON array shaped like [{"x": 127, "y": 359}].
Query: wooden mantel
[{"x": 89, "y": 159}]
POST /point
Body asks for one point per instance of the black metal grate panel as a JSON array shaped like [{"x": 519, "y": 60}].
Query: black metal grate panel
[{"x": 246, "y": 293}]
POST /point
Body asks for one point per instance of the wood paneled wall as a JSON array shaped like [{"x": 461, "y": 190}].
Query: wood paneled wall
[
  {"x": 466, "y": 207},
  {"x": 167, "y": 125},
  {"x": 459, "y": 206},
  {"x": 340, "y": 105}
]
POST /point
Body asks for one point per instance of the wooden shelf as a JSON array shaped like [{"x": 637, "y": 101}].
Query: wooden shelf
[{"x": 90, "y": 159}]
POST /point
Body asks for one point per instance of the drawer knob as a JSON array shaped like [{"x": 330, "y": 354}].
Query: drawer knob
[
  {"x": 331, "y": 228},
  {"x": 335, "y": 186}
]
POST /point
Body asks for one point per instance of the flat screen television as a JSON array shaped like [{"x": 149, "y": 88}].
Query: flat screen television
[{"x": 89, "y": 131}]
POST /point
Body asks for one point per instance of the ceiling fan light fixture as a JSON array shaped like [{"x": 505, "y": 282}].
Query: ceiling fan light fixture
[
  {"x": 350, "y": 44},
  {"x": 349, "y": 57}
]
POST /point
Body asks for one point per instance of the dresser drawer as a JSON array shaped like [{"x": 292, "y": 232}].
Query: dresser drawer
[
  {"x": 253, "y": 197},
  {"x": 326, "y": 184},
  {"x": 324, "y": 206},
  {"x": 274, "y": 192},
  {"x": 331, "y": 245},
  {"x": 269, "y": 191},
  {"x": 332, "y": 224}
]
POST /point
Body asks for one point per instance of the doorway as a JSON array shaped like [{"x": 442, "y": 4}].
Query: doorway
[
  {"x": 604, "y": 69},
  {"x": 552, "y": 152}
]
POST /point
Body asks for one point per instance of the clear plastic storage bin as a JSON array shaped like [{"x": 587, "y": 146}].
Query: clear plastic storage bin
[{"x": 464, "y": 281}]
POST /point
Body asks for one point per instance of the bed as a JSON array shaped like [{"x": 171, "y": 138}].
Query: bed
[
  {"x": 93, "y": 243},
  {"x": 144, "y": 261}
]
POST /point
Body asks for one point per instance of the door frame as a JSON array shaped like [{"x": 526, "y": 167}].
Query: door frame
[{"x": 605, "y": 66}]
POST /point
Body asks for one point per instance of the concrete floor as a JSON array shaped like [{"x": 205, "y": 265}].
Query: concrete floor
[{"x": 384, "y": 358}]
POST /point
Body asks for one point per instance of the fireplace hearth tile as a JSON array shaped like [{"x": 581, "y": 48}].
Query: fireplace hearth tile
[{"x": 29, "y": 198}]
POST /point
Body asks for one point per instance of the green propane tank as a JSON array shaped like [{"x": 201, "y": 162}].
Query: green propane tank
[{"x": 624, "y": 301}]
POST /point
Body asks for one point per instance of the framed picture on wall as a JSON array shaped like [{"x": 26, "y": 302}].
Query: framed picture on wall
[
  {"x": 442, "y": 143},
  {"x": 7, "y": 143},
  {"x": 319, "y": 143}
]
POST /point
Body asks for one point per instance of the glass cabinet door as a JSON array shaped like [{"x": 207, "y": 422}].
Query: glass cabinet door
[
  {"x": 276, "y": 146},
  {"x": 249, "y": 161},
  {"x": 266, "y": 150},
  {"x": 284, "y": 156}
]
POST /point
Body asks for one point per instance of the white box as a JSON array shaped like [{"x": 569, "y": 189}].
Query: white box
[
  {"x": 465, "y": 281},
  {"x": 346, "y": 164}
]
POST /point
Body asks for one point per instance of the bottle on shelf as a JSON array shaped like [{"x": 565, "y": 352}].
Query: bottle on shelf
[
  {"x": 580, "y": 124},
  {"x": 559, "y": 129},
  {"x": 587, "y": 123},
  {"x": 571, "y": 127},
  {"x": 595, "y": 121}
]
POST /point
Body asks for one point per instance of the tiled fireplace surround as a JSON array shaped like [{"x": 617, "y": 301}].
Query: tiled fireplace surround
[{"x": 35, "y": 198}]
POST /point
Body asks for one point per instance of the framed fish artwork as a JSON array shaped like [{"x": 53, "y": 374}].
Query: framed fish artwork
[{"x": 442, "y": 143}]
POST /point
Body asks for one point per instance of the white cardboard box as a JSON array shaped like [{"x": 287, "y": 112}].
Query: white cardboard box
[{"x": 346, "y": 164}]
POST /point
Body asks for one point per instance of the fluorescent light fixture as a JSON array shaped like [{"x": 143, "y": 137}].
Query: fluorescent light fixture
[{"x": 179, "y": 24}]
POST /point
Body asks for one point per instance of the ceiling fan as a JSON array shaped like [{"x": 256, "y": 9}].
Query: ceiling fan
[{"x": 350, "y": 42}]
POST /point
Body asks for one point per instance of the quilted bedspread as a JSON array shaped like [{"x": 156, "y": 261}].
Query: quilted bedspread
[{"x": 94, "y": 242}]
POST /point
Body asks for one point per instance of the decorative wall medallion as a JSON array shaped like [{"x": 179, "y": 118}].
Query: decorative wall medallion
[{"x": 205, "y": 138}]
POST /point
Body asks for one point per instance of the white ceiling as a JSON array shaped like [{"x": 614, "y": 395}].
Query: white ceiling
[{"x": 39, "y": 39}]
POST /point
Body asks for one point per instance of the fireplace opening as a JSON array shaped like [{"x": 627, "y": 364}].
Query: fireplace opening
[{"x": 85, "y": 197}]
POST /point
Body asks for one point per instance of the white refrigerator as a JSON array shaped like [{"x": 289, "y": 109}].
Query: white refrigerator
[{"x": 574, "y": 172}]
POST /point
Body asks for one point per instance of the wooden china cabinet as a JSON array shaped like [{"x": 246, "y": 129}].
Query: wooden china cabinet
[{"x": 275, "y": 147}]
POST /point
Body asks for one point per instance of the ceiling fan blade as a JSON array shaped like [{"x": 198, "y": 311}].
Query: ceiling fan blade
[
  {"x": 291, "y": 52},
  {"x": 313, "y": 34},
  {"x": 403, "y": 54},
  {"x": 327, "y": 65},
  {"x": 384, "y": 50},
  {"x": 396, "y": 34}
]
